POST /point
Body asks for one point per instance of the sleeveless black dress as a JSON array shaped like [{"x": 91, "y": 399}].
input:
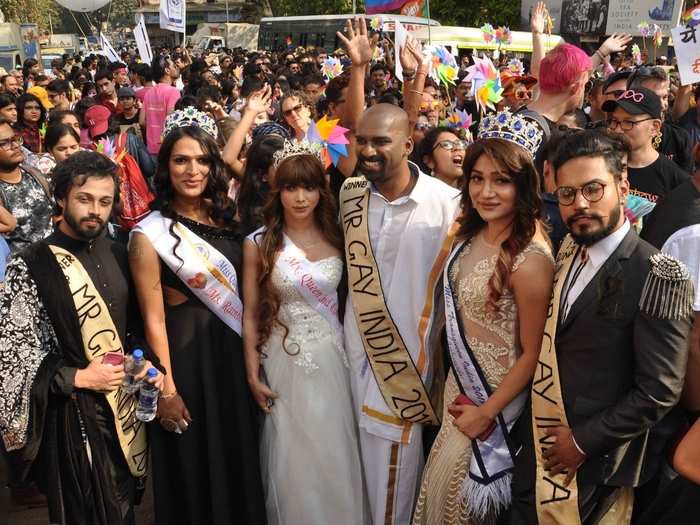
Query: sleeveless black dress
[{"x": 210, "y": 473}]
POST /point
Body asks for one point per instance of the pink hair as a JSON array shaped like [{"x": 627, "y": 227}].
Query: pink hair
[{"x": 562, "y": 67}]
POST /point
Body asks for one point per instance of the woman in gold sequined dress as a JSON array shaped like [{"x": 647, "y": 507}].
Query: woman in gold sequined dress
[{"x": 500, "y": 274}]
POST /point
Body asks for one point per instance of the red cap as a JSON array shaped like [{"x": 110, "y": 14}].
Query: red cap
[{"x": 97, "y": 120}]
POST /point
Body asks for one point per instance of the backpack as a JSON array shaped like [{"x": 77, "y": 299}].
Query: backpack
[{"x": 135, "y": 194}]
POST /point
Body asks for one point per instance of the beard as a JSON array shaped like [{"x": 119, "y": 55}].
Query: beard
[
  {"x": 589, "y": 238},
  {"x": 81, "y": 228},
  {"x": 8, "y": 167},
  {"x": 377, "y": 175}
]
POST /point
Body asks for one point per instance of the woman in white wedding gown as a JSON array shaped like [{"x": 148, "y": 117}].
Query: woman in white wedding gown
[{"x": 297, "y": 369}]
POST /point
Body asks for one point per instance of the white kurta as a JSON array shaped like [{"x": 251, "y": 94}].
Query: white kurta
[{"x": 406, "y": 237}]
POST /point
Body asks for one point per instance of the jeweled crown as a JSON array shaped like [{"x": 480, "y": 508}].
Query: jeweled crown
[
  {"x": 190, "y": 116},
  {"x": 297, "y": 147},
  {"x": 514, "y": 127}
]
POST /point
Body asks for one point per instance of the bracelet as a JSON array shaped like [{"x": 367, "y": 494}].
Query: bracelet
[
  {"x": 416, "y": 92},
  {"x": 600, "y": 54},
  {"x": 168, "y": 396},
  {"x": 409, "y": 76}
]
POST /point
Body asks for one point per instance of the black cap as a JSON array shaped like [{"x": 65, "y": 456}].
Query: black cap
[
  {"x": 614, "y": 77},
  {"x": 637, "y": 101}
]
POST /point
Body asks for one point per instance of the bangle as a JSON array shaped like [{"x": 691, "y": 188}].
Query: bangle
[
  {"x": 409, "y": 75},
  {"x": 600, "y": 54},
  {"x": 168, "y": 396},
  {"x": 416, "y": 92}
]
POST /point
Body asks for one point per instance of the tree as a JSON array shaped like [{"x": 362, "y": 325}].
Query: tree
[{"x": 34, "y": 11}]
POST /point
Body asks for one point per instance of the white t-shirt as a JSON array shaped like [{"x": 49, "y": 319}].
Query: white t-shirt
[{"x": 684, "y": 245}]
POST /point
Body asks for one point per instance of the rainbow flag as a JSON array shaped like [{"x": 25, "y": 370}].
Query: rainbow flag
[{"x": 406, "y": 7}]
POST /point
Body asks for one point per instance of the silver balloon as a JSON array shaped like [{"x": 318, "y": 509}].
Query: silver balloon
[{"x": 83, "y": 6}]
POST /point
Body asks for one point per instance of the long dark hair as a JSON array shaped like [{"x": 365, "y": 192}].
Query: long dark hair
[
  {"x": 528, "y": 207},
  {"x": 215, "y": 195},
  {"x": 295, "y": 171},
  {"x": 22, "y": 101},
  {"x": 254, "y": 190},
  {"x": 56, "y": 131}
]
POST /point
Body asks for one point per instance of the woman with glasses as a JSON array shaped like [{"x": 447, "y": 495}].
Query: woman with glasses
[
  {"x": 498, "y": 280},
  {"x": 442, "y": 152},
  {"x": 31, "y": 116},
  {"x": 297, "y": 112},
  {"x": 637, "y": 114}
]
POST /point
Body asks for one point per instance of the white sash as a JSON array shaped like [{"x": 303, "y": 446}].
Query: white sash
[
  {"x": 292, "y": 263},
  {"x": 205, "y": 270},
  {"x": 487, "y": 485}
]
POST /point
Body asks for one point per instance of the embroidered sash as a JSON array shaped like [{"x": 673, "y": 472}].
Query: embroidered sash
[
  {"x": 100, "y": 336},
  {"x": 299, "y": 270},
  {"x": 394, "y": 370},
  {"x": 203, "y": 268},
  {"x": 487, "y": 485},
  {"x": 556, "y": 503}
]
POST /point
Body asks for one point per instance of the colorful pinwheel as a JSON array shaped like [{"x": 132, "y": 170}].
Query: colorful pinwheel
[
  {"x": 331, "y": 137},
  {"x": 515, "y": 67},
  {"x": 550, "y": 24},
  {"x": 691, "y": 17},
  {"x": 487, "y": 29},
  {"x": 460, "y": 120},
  {"x": 658, "y": 36},
  {"x": 503, "y": 36},
  {"x": 636, "y": 55},
  {"x": 106, "y": 147},
  {"x": 486, "y": 83},
  {"x": 443, "y": 67},
  {"x": 637, "y": 207},
  {"x": 644, "y": 29},
  {"x": 331, "y": 68},
  {"x": 377, "y": 23}
]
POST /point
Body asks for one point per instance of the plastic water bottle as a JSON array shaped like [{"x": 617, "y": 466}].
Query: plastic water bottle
[
  {"x": 133, "y": 365},
  {"x": 148, "y": 398}
]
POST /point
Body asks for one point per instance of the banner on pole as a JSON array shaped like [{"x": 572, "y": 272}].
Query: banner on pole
[
  {"x": 108, "y": 50},
  {"x": 400, "y": 36},
  {"x": 172, "y": 15},
  {"x": 403, "y": 7},
  {"x": 142, "y": 42}
]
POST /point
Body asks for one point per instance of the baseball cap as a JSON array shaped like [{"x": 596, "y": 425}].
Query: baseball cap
[
  {"x": 126, "y": 92},
  {"x": 637, "y": 101},
  {"x": 43, "y": 96},
  {"x": 614, "y": 77},
  {"x": 97, "y": 120}
]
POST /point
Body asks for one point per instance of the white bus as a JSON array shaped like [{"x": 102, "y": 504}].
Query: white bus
[{"x": 277, "y": 33}]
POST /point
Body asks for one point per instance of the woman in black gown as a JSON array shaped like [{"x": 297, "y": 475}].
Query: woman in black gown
[{"x": 210, "y": 472}]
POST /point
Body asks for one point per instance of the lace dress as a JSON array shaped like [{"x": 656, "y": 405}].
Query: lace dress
[
  {"x": 310, "y": 452},
  {"x": 493, "y": 340}
]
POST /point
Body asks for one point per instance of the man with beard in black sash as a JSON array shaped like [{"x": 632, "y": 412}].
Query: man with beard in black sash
[
  {"x": 67, "y": 303},
  {"x": 613, "y": 356}
]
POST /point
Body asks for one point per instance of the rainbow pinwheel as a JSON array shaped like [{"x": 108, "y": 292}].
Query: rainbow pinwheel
[
  {"x": 637, "y": 207},
  {"x": 106, "y": 147},
  {"x": 331, "y": 68},
  {"x": 486, "y": 83},
  {"x": 644, "y": 29},
  {"x": 378, "y": 53},
  {"x": 691, "y": 17},
  {"x": 376, "y": 24},
  {"x": 503, "y": 36},
  {"x": 460, "y": 120},
  {"x": 487, "y": 30},
  {"x": 238, "y": 72},
  {"x": 658, "y": 36},
  {"x": 515, "y": 67},
  {"x": 331, "y": 137},
  {"x": 550, "y": 24},
  {"x": 443, "y": 67},
  {"x": 636, "y": 55},
  {"x": 42, "y": 131}
]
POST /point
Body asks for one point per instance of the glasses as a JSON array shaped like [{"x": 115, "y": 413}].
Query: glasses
[
  {"x": 592, "y": 192},
  {"x": 523, "y": 94},
  {"x": 449, "y": 145},
  {"x": 427, "y": 106},
  {"x": 295, "y": 109},
  {"x": 422, "y": 126},
  {"x": 625, "y": 125},
  {"x": 8, "y": 143}
]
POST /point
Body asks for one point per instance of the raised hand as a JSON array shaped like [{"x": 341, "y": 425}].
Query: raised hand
[
  {"x": 538, "y": 19},
  {"x": 358, "y": 45},
  {"x": 259, "y": 101},
  {"x": 412, "y": 58},
  {"x": 615, "y": 44}
]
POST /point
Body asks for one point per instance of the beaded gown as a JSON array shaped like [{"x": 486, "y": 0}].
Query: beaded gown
[
  {"x": 493, "y": 338},
  {"x": 310, "y": 452}
]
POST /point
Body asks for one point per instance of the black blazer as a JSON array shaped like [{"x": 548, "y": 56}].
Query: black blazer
[{"x": 621, "y": 369}]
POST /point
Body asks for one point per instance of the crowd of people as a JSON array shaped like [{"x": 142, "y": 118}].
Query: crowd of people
[{"x": 484, "y": 321}]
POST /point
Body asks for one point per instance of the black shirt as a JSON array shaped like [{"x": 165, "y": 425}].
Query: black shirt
[
  {"x": 126, "y": 121},
  {"x": 657, "y": 179},
  {"x": 676, "y": 145},
  {"x": 679, "y": 209}
]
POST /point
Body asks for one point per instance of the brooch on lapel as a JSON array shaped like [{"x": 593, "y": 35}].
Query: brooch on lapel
[{"x": 610, "y": 293}]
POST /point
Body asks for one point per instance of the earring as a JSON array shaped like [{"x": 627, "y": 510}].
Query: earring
[{"x": 656, "y": 140}]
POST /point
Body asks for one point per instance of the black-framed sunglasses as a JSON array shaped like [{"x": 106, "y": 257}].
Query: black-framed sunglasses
[
  {"x": 295, "y": 109},
  {"x": 592, "y": 192}
]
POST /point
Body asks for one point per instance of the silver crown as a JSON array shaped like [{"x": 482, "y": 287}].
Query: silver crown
[
  {"x": 297, "y": 147},
  {"x": 514, "y": 127},
  {"x": 190, "y": 116}
]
